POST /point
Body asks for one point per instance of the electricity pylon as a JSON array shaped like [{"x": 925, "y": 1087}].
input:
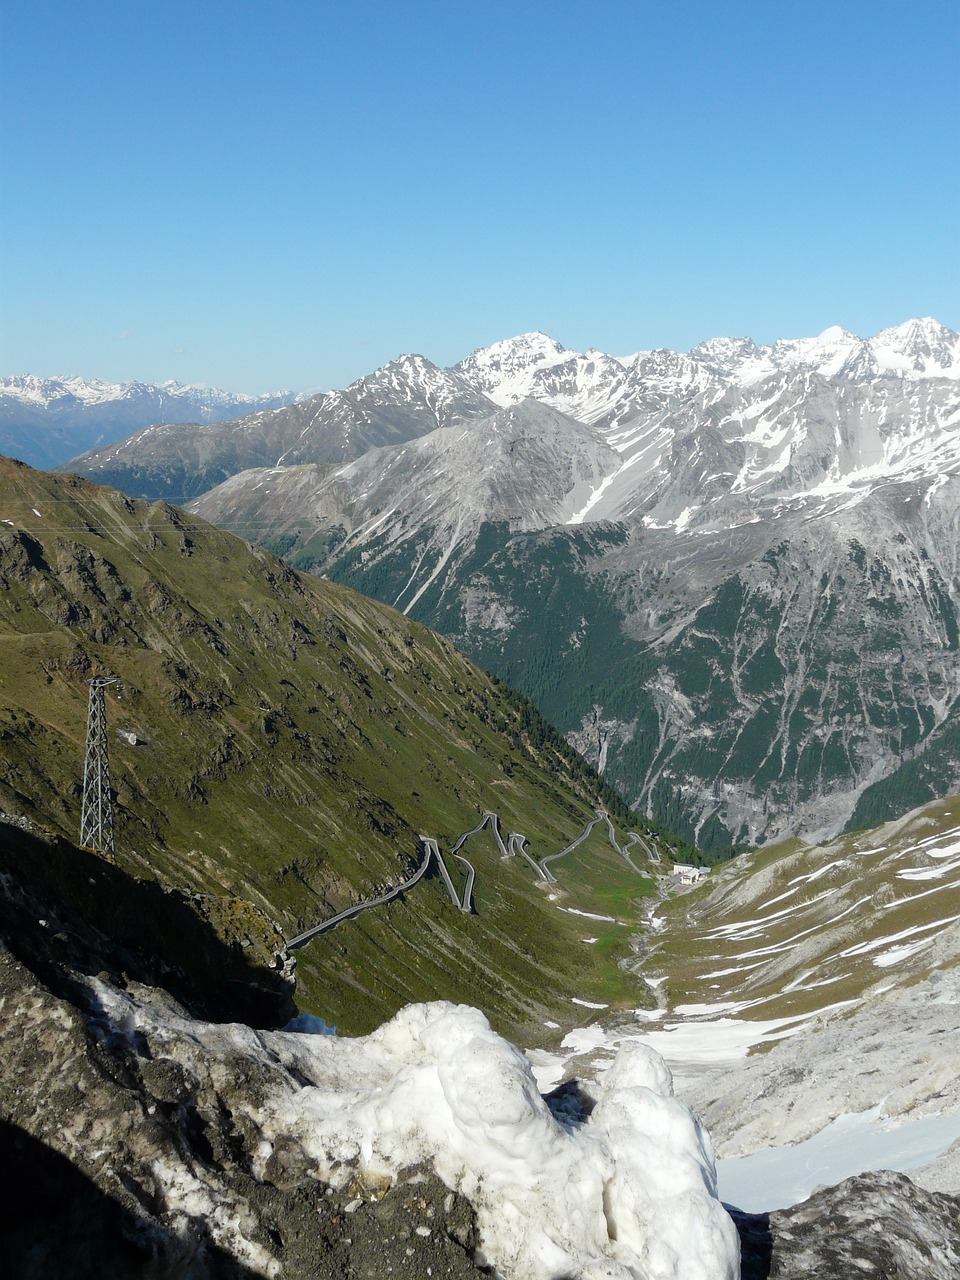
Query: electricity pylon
[{"x": 96, "y": 815}]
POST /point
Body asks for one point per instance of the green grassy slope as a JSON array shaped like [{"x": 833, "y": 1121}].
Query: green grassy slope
[{"x": 293, "y": 739}]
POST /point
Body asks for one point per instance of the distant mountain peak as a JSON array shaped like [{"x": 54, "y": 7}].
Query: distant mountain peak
[
  {"x": 511, "y": 361},
  {"x": 534, "y": 341},
  {"x": 837, "y": 333},
  {"x": 928, "y": 347},
  {"x": 923, "y": 327},
  {"x": 99, "y": 391},
  {"x": 47, "y": 420}
]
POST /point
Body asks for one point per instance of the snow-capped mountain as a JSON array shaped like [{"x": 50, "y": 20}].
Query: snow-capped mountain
[
  {"x": 718, "y": 460},
  {"x": 732, "y": 575},
  {"x": 918, "y": 348},
  {"x": 630, "y": 402},
  {"x": 604, "y": 390},
  {"x": 535, "y": 365},
  {"x": 591, "y": 386},
  {"x": 406, "y": 398},
  {"x": 46, "y": 420},
  {"x": 69, "y": 393},
  {"x": 681, "y": 449}
]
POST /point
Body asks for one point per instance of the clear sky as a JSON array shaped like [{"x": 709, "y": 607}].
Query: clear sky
[{"x": 258, "y": 195}]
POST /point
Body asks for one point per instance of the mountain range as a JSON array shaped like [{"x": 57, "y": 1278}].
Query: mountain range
[
  {"x": 729, "y": 576},
  {"x": 45, "y": 420},
  {"x": 279, "y": 743}
]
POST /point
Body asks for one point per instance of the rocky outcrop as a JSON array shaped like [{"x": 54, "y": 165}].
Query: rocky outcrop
[
  {"x": 192, "y": 1149},
  {"x": 877, "y": 1226},
  {"x": 116, "y": 1161}
]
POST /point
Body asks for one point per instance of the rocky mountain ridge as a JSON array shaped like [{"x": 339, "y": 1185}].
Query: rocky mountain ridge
[
  {"x": 410, "y": 396},
  {"x": 589, "y": 385},
  {"x": 407, "y": 398}
]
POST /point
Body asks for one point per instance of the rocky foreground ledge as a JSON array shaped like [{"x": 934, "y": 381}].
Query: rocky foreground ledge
[
  {"x": 423, "y": 1149},
  {"x": 877, "y": 1225}
]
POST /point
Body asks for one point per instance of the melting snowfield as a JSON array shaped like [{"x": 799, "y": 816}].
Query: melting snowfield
[
  {"x": 831, "y": 1041},
  {"x": 690, "y": 1049}
]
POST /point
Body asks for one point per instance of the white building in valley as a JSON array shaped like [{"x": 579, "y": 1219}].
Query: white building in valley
[{"x": 688, "y": 874}]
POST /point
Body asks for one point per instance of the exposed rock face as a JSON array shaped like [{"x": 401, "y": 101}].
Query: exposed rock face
[
  {"x": 897, "y": 1052},
  {"x": 119, "y": 1165},
  {"x": 776, "y": 674},
  {"x": 876, "y": 1225}
]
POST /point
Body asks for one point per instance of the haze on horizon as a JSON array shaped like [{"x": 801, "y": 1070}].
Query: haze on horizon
[{"x": 256, "y": 198}]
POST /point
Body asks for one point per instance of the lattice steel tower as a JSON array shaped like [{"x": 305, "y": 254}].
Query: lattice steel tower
[{"x": 96, "y": 815}]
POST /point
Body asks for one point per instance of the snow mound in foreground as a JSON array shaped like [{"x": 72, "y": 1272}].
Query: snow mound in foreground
[
  {"x": 620, "y": 1184},
  {"x": 626, "y": 1191}
]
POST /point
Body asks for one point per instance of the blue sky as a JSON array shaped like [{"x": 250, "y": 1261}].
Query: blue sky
[{"x": 288, "y": 194}]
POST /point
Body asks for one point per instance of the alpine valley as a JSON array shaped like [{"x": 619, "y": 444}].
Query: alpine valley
[{"x": 730, "y": 576}]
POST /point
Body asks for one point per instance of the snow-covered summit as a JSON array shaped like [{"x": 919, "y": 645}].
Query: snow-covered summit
[
  {"x": 587, "y": 384},
  {"x": 738, "y": 360},
  {"x": 581, "y": 384},
  {"x": 411, "y": 376},
  {"x": 827, "y": 353},
  {"x": 919, "y": 348},
  {"x": 506, "y": 370}
]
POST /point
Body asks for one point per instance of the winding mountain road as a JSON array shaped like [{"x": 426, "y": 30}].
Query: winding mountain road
[
  {"x": 382, "y": 900},
  {"x": 633, "y": 838},
  {"x": 516, "y": 844},
  {"x": 568, "y": 848}
]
